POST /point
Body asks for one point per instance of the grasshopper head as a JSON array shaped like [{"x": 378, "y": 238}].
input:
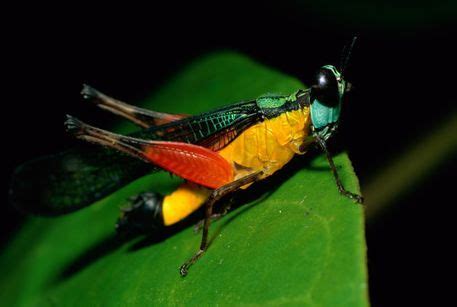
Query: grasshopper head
[
  {"x": 330, "y": 86},
  {"x": 326, "y": 98},
  {"x": 327, "y": 95}
]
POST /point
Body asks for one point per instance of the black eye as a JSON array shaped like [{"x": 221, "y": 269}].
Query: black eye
[{"x": 326, "y": 88}]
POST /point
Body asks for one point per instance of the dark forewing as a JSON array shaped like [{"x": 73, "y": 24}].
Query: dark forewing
[{"x": 213, "y": 129}]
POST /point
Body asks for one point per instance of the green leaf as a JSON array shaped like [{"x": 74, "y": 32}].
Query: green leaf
[{"x": 299, "y": 243}]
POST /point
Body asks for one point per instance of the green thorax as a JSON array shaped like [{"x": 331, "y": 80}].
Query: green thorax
[{"x": 272, "y": 105}]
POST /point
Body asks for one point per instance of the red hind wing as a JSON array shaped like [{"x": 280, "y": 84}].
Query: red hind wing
[{"x": 192, "y": 162}]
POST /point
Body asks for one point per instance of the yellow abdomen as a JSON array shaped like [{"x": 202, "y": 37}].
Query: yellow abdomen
[{"x": 269, "y": 145}]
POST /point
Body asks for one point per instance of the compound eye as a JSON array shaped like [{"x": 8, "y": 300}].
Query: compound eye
[{"x": 326, "y": 88}]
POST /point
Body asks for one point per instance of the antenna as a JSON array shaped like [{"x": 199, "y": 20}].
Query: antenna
[{"x": 346, "y": 55}]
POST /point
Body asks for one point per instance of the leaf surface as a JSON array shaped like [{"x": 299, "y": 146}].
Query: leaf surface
[{"x": 293, "y": 241}]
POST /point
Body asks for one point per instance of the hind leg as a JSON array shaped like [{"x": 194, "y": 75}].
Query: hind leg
[{"x": 142, "y": 117}]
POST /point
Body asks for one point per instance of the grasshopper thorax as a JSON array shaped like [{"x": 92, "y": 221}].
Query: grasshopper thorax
[{"x": 326, "y": 97}]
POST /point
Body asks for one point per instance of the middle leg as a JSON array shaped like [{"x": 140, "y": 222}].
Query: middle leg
[{"x": 213, "y": 198}]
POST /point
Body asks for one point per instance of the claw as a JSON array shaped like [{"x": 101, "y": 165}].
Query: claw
[{"x": 184, "y": 269}]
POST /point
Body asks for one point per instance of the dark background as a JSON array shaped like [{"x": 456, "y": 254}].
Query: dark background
[{"x": 402, "y": 67}]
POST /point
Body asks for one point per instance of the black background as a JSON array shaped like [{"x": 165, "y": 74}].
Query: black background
[{"x": 403, "y": 72}]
